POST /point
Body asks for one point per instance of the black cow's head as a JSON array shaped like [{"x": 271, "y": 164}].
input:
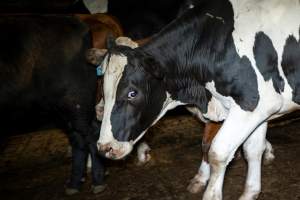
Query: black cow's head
[{"x": 134, "y": 96}]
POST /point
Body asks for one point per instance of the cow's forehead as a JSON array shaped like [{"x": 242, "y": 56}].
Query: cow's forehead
[{"x": 115, "y": 64}]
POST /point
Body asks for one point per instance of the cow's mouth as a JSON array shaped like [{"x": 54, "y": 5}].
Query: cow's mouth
[{"x": 115, "y": 150}]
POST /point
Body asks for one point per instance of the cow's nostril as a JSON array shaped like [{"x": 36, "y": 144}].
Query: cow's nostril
[{"x": 105, "y": 148}]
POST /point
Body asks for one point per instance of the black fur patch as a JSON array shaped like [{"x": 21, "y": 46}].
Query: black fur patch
[
  {"x": 238, "y": 81},
  {"x": 267, "y": 60},
  {"x": 291, "y": 65},
  {"x": 198, "y": 96}
]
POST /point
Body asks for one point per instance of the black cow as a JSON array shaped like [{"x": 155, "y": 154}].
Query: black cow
[
  {"x": 43, "y": 68},
  {"x": 236, "y": 60}
]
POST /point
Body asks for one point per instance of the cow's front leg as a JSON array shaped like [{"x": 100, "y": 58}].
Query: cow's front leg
[
  {"x": 78, "y": 170},
  {"x": 254, "y": 148},
  {"x": 236, "y": 128},
  {"x": 98, "y": 170}
]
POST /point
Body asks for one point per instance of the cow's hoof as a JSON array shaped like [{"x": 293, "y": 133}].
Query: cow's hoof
[
  {"x": 268, "y": 154},
  {"x": 143, "y": 153},
  {"x": 212, "y": 197},
  {"x": 144, "y": 162},
  {"x": 98, "y": 188},
  {"x": 196, "y": 186},
  {"x": 71, "y": 191},
  {"x": 249, "y": 196},
  {"x": 268, "y": 157}
]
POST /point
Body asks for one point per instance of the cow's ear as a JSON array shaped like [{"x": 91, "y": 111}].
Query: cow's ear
[
  {"x": 95, "y": 56},
  {"x": 126, "y": 41}
]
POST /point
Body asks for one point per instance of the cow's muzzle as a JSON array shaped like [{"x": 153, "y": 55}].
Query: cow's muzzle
[{"x": 115, "y": 150}]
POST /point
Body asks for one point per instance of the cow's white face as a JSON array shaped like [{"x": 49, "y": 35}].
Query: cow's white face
[{"x": 135, "y": 99}]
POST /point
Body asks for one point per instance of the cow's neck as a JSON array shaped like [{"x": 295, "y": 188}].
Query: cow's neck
[{"x": 187, "y": 50}]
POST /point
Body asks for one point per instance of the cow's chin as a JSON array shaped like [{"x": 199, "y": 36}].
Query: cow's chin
[{"x": 119, "y": 150}]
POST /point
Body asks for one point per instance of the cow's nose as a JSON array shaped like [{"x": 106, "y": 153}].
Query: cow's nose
[{"x": 107, "y": 150}]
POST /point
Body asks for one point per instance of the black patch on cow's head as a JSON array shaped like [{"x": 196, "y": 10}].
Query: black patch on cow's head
[
  {"x": 291, "y": 65},
  {"x": 139, "y": 97},
  {"x": 267, "y": 60}
]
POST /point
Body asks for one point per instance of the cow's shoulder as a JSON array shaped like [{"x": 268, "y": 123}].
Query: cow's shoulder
[{"x": 234, "y": 76}]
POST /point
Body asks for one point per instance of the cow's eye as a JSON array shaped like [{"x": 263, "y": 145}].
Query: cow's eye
[{"x": 132, "y": 94}]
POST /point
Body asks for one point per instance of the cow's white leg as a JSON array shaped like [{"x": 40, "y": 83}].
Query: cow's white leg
[
  {"x": 236, "y": 128},
  {"x": 143, "y": 153},
  {"x": 89, "y": 163},
  {"x": 254, "y": 148},
  {"x": 269, "y": 153},
  {"x": 199, "y": 181}
]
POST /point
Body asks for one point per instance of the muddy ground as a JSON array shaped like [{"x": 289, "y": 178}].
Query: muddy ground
[{"x": 35, "y": 166}]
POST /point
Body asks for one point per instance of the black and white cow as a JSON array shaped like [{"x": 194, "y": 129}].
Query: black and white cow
[
  {"x": 198, "y": 183},
  {"x": 236, "y": 60}
]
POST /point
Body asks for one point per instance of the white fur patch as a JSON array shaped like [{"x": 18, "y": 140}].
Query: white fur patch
[
  {"x": 278, "y": 20},
  {"x": 191, "y": 6},
  {"x": 196, "y": 112},
  {"x": 112, "y": 77},
  {"x": 126, "y": 41},
  {"x": 219, "y": 105}
]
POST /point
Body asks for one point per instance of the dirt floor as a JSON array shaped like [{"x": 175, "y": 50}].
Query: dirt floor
[{"x": 35, "y": 166}]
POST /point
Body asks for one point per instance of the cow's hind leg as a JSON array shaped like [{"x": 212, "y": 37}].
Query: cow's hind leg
[
  {"x": 254, "y": 148},
  {"x": 269, "y": 153},
  {"x": 234, "y": 131},
  {"x": 198, "y": 183}
]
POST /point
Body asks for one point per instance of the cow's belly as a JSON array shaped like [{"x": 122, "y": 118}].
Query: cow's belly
[
  {"x": 288, "y": 107},
  {"x": 271, "y": 103}
]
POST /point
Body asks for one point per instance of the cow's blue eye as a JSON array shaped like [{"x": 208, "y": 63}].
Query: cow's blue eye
[{"x": 132, "y": 94}]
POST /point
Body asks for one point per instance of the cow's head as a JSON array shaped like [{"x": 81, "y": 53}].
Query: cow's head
[{"x": 134, "y": 94}]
